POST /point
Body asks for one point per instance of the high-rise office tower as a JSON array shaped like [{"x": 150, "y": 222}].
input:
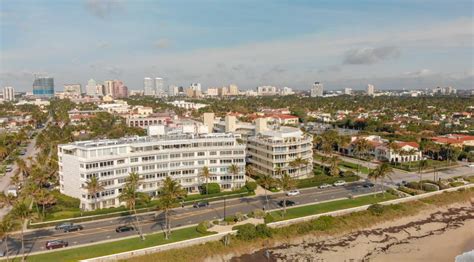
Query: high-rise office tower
[
  {"x": 159, "y": 88},
  {"x": 173, "y": 90},
  {"x": 370, "y": 90},
  {"x": 91, "y": 88},
  {"x": 43, "y": 87},
  {"x": 72, "y": 89},
  {"x": 233, "y": 90},
  {"x": 347, "y": 91},
  {"x": 109, "y": 87},
  {"x": 317, "y": 89},
  {"x": 148, "y": 86},
  {"x": 8, "y": 93},
  {"x": 119, "y": 90}
]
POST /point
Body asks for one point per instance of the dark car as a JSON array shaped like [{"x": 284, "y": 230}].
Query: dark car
[
  {"x": 124, "y": 229},
  {"x": 62, "y": 226},
  {"x": 368, "y": 185},
  {"x": 73, "y": 228},
  {"x": 289, "y": 203},
  {"x": 201, "y": 204},
  {"x": 53, "y": 244}
]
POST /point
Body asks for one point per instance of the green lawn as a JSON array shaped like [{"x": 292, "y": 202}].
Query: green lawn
[
  {"x": 413, "y": 166},
  {"x": 330, "y": 206},
  {"x": 353, "y": 166},
  {"x": 116, "y": 246},
  {"x": 320, "y": 179}
]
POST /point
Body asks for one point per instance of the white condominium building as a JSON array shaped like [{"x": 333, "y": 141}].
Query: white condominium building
[
  {"x": 271, "y": 150},
  {"x": 179, "y": 156}
]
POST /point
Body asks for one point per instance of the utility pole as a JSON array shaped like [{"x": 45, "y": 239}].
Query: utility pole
[{"x": 224, "y": 206}]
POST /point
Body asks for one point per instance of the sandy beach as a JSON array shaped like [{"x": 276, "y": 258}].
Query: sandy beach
[{"x": 435, "y": 235}]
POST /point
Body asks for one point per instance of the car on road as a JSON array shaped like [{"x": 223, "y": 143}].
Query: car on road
[
  {"x": 53, "y": 244},
  {"x": 289, "y": 203},
  {"x": 73, "y": 228},
  {"x": 324, "y": 186},
  {"x": 368, "y": 185},
  {"x": 339, "y": 183},
  {"x": 470, "y": 165},
  {"x": 293, "y": 193},
  {"x": 201, "y": 204},
  {"x": 63, "y": 225},
  {"x": 121, "y": 229}
]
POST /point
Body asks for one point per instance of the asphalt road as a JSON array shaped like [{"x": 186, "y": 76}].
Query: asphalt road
[{"x": 101, "y": 230}]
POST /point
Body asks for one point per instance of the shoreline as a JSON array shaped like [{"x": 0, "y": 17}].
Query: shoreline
[{"x": 440, "y": 234}]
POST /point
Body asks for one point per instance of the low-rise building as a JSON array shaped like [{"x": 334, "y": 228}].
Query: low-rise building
[{"x": 179, "y": 156}]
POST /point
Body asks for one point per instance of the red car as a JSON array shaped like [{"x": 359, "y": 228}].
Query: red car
[{"x": 53, "y": 244}]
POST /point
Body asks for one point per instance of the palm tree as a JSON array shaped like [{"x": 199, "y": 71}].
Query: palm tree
[
  {"x": 6, "y": 227},
  {"x": 422, "y": 166},
  {"x": 234, "y": 170},
  {"x": 267, "y": 182},
  {"x": 133, "y": 179},
  {"x": 7, "y": 200},
  {"x": 286, "y": 183},
  {"x": 361, "y": 146},
  {"x": 170, "y": 192},
  {"x": 93, "y": 187},
  {"x": 410, "y": 153},
  {"x": 334, "y": 166},
  {"x": 130, "y": 196},
  {"x": 44, "y": 198},
  {"x": 298, "y": 163},
  {"x": 22, "y": 212},
  {"x": 382, "y": 171},
  {"x": 3, "y": 152},
  {"x": 206, "y": 174},
  {"x": 22, "y": 168}
]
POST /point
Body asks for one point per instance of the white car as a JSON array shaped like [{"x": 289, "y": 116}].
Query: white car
[
  {"x": 339, "y": 183},
  {"x": 293, "y": 193},
  {"x": 324, "y": 186},
  {"x": 470, "y": 165}
]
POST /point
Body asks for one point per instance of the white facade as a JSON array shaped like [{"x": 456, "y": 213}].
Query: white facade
[
  {"x": 347, "y": 91},
  {"x": 267, "y": 90},
  {"x": 317, "y": 89},
  {"x": 187, "y": 105},
  {"x": 181, "y": 157},
  {"x": 370, "y": 90},
  {"x": 148, "y": 87},
  {"x": 72, "y": 89},
  {"x": 8, "y": 93},
  {"x": 285, "y": 91},
  {"x": 91, "y": 88},
  {"x": 277, "y": 148},
  {"x": 173, "y": 90},
  {"x": 159, "y": 86}
]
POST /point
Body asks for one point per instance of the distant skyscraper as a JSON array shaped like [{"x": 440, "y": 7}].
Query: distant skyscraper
[
  {"x": 233, "y": 90},
  {"x": 317, "y": 89},
  {"x": 109, "y": 87},
  {"x": 119, "y": 90},
  {"x": 72, "y": 89},
  {"x": 91, "y": 88},
  {"x": 43, "y": 87},
  {"x": 159, "y": 88},
  {"x": 347, "y": 91},
  {"x": 8, "y": 93},
  {"x": 370, "y": 90},
  {"x": 148, "y": 86},
  {"x": 173, "y": 90},
  {"x": 195, "y": 87}
]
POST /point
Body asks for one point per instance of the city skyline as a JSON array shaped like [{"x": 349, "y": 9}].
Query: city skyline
[{"x": 340, "y": 44}]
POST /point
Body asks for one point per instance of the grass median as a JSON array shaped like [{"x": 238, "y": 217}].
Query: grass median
[
  {"x": 327, "y": 207},
  {"x": 119, "y": 246}
]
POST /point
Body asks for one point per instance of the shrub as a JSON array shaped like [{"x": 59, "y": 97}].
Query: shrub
[
  {"x": 239, "y": 217},
  {"x": 430, "y": 187},
  {"x": 392, "y": 191},
  {"x": 258, "y": 213},
  {"x": 215, "y": 222},
  {"x": 230, "y": 219},
  {"x": 65, "y": 201},
  {"x": 347, "y": 173},
  {"x": 250, "y": 185},
  {"x": 263, "y": 231},
  {"x": 246, "y": 231},
  {"x": 413, "y": 185},
  {"x": 323, "y": 223},
  {"x": 213, "y": 188},
  {"x": 269, "y": 218},
  {"x": 202, "y": 227},
  {"x": 456, "y": 184},
  {"x": 376, "y": 209}
]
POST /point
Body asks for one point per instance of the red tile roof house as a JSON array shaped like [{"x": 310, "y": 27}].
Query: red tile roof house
[{"x": 454, "y": 140}]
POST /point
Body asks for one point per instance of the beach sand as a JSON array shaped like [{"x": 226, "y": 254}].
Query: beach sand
[{"x": 435, "y": 235}]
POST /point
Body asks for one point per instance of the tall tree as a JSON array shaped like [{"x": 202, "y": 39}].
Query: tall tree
[
  {"x": 22, "y": 212},
  {"x": 422, "y": 165},
  {"x": 234, "y": 170},
  {"x": 206, "y": 174},
  {"x": 6, "y": 226},
  {"x": 93, "y": 187},
  {"x": 170, "y": 192},
  {"x": 267, "y": 182},
  {"x": 334, "y": 166},
  {"x": 297, "y": 163},
  {"x": 286, "y": 183},
  {"x": 130, "y": 196},
  {"x": 382, "y": 172}
]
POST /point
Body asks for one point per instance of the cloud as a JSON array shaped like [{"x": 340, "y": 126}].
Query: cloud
[
  {"x": 162, "y": 43},
  {"x": 114, "y": 70},
  {"x": 101, "y": 8},
  {"x": 368, "y": 56},
  {"x": 419, "y": 73},
  {"x": 103, "y": 45}
]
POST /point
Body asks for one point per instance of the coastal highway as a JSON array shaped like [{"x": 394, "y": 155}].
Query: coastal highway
[{"x": 96, "y": 231}]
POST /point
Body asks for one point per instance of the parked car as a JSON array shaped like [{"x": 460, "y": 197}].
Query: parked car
[
  {"x": 470, "y": 165},
  {"x": 63, "y": 225},
  {"x": 73, "y": 228},
  {"x": 201, "y": 204},
  {"x": 289, "y": 203},
  {"x": 8, "y": 169},
  {"x": 368, "y": 185},
  {"x": 121, "y": 229},
  {"x": 339, "y": 183},
  {"x": 53, "y": 244},
  {"x": 3, "y": 253},
  {"x": 324, "y": 185},
  {"x": 293, "y": 193}
]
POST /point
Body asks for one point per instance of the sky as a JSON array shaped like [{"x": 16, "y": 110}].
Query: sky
[{"x": 404, "y": 44}]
